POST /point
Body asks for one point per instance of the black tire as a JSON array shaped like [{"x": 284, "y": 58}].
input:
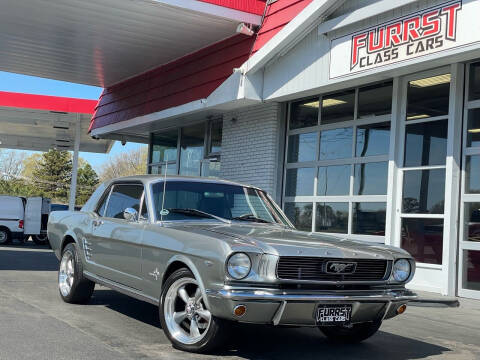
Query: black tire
[
  {"x": 216, "y": 333},
  {"x": 40, "y": 239},
  {"x": 354, "y": 334},
  {"x": 81, "y": 289},
  {"x": 5, "y": 236}
]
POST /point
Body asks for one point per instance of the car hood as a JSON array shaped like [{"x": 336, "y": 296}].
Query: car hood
[{"x": 277, "y": 240}]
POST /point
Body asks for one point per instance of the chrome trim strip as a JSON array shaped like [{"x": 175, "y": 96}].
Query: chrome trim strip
[
  {"x": 261, "y": 295},
  {"x": 120, "y": 288},
  {"x": 279, "y": 313}
]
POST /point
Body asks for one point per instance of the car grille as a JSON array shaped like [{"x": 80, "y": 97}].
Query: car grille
[{"x": 314, "y": 269}]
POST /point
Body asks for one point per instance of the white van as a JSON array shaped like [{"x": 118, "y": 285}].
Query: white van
[{"x": 12, "y": 212}]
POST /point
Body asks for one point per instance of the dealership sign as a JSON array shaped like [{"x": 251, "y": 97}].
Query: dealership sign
[{"x": 446, "y": 26}]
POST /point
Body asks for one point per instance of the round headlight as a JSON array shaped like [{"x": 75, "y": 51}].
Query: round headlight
[
  {"x": 238, "y": 265},
  {"x": 401, "y": 270}
]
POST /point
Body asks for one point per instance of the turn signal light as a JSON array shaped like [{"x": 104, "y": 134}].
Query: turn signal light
[
  {"x": 239, "y": 310},
  {"x": 401, "y": 309}
]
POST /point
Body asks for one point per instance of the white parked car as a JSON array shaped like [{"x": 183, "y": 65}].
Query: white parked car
[{"x": 12, "y": 216}]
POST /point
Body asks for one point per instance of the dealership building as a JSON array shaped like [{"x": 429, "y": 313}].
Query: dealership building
[{"x": 361, "y": 118}]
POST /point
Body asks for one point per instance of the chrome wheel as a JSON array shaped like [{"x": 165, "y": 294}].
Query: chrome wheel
[
  {"x": 186, "y": 315},
  {"x": 66, "y": 273},
  {"x": 3, "y": 236}
]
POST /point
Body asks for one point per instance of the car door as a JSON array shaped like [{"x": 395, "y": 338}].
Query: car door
[{"x": 115, "y": 240}]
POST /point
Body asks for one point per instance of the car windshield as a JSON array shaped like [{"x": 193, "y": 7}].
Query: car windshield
[{"x": 193, "y": 200}]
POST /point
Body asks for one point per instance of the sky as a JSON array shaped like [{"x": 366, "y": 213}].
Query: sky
[{"x": 41, "y": 86}]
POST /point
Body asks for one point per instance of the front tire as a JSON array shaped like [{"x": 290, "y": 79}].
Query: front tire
[
  {"x": 186, "y": 321},
  {"x": 5, "y": 236},
  {"x": 354, "y": 334},
  {"x": 74, "y": 288}
]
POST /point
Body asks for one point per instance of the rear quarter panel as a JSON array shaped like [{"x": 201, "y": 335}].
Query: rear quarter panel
[{"x": 67, "y": 223}]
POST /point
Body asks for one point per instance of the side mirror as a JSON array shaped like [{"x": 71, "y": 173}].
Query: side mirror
[{"x": 130, "y": 214}]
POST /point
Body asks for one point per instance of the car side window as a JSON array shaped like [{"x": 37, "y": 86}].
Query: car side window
[
  {"x": 101, "y": 209},
  {"x": 123, "y": 196},
  {"x": 144, "y": 213}
]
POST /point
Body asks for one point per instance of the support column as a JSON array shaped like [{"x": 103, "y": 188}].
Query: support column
[{"x": 76, "y": 148}]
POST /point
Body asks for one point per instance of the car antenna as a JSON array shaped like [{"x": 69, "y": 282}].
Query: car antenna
[{"x": 162, "y": 212}]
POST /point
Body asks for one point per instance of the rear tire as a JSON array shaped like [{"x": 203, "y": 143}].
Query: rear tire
[
  {"x": 354, "y": 334},
  {"x": 74, "y": 288},
  {"x": 186, "y": 321},
  {"x": 40, "y": 239},
  {"x": 5, "y": 236}
]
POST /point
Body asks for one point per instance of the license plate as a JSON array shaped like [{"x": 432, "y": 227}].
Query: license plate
[{"x": 334, "y": 314}]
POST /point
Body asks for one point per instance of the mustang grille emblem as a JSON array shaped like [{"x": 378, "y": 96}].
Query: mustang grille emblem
[{"x": 337, "y": 267}]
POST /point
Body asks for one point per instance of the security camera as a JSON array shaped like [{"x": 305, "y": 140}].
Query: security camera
[
  {"x": 244, "y": 29},
  {"x": 124, "y": 142}
]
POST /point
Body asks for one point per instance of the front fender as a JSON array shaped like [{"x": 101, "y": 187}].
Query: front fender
[{"x": 193, "y": 268}]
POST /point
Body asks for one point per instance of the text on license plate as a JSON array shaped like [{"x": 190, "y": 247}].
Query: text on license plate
[{"x": 334, "y": 313}]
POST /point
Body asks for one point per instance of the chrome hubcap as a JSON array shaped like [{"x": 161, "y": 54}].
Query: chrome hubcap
[
  {"x": 186, "y": 315},
  {"x": 3, "y": 236},
  {"x": 66, "y": 273}
]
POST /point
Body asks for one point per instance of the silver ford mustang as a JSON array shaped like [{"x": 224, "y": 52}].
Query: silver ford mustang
[{"x": 212, "y": 252}]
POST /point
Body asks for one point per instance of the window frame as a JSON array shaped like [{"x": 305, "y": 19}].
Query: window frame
[
  {"x": 107, "y": 195},
  {"x": 353, "y": 160}
]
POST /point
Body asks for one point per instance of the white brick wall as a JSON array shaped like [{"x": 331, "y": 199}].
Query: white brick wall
[{"x": 250, "y": 146}]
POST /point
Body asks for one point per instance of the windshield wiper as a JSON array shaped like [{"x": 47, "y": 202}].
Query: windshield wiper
[
  {"x": 251, "y": 217},
  {"x": 198, "y": 213}
]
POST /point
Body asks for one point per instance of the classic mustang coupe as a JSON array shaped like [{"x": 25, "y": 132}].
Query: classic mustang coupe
[{"x": 212, "y": 252}]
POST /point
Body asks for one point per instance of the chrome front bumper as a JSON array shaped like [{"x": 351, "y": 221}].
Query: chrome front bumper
[{"x": 279, "y": 307}]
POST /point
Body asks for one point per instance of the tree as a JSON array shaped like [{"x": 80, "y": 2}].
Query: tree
[
  {"x": 125, "y": 164},
  {"x": 87, "y": 180},
  {"x": 11, "y": 163},
  {"x": 53, "y": 174}
]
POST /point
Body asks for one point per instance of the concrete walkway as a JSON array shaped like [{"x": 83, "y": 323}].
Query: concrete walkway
[{"x": 36, "y": 324}]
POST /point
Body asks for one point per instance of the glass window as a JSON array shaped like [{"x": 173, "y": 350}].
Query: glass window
[
  {"x": 144, "y": 213},
  {"x": 428, "y": 97},
  {"x": 300, "y": 182},
  {"x": 300, "y": 214},
  {"x": 370, "y": 179},
  {"x": 336, "y": 143},
  {"x": 332, "y": 217},
  {"x": 302, "y": 147},
  {"x": 472, "y": 221},
  {"x": 375, "y": 100},
  {"x": 304, "y": 114},
  {"x": 473, "y": 128},
  {"x": 164, "y": 146},
  {"x": 101, "y": 208},
  {"x": 474, "y": 88},
  {"x": 472, "y": 180},
  {"x": 333, "y": 180},
  {"x": 211, "y": 169},
  {"x": 338, "y": 107},
  {"x": 424, "y": 191},
  {"x": 122, "y": 197},
  {"x": 471, "y": 270},
  {"x": 160, "y": 169},
  {"x": 222, "y": 200},
  {"x": 216, "y": 128},
  {"x": 191, "y": 149},
  {"x": 373, "y": 139},
  {"x": 369, "y": 218},
  {"x": 426, "y": 143},
  {"x": 423, "y": 239}
]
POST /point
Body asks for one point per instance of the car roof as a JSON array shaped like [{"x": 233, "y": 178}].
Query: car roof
[{"x": 148, "y": 179}]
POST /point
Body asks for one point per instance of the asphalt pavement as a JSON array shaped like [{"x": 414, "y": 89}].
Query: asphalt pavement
[{"x": 36, "y": 324}]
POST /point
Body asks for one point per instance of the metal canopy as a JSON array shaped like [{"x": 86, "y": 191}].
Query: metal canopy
[
  {"x": 104, "y": 42},
  {"x": 40, "y": 123}
]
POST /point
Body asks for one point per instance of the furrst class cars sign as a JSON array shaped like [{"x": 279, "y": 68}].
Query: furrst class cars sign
[{"x": 445, "y": 26}]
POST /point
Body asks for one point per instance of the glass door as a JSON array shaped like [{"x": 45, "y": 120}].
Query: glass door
[
  {"x": 469, "y": 249},
  {"x": 421, "y": 186}
]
